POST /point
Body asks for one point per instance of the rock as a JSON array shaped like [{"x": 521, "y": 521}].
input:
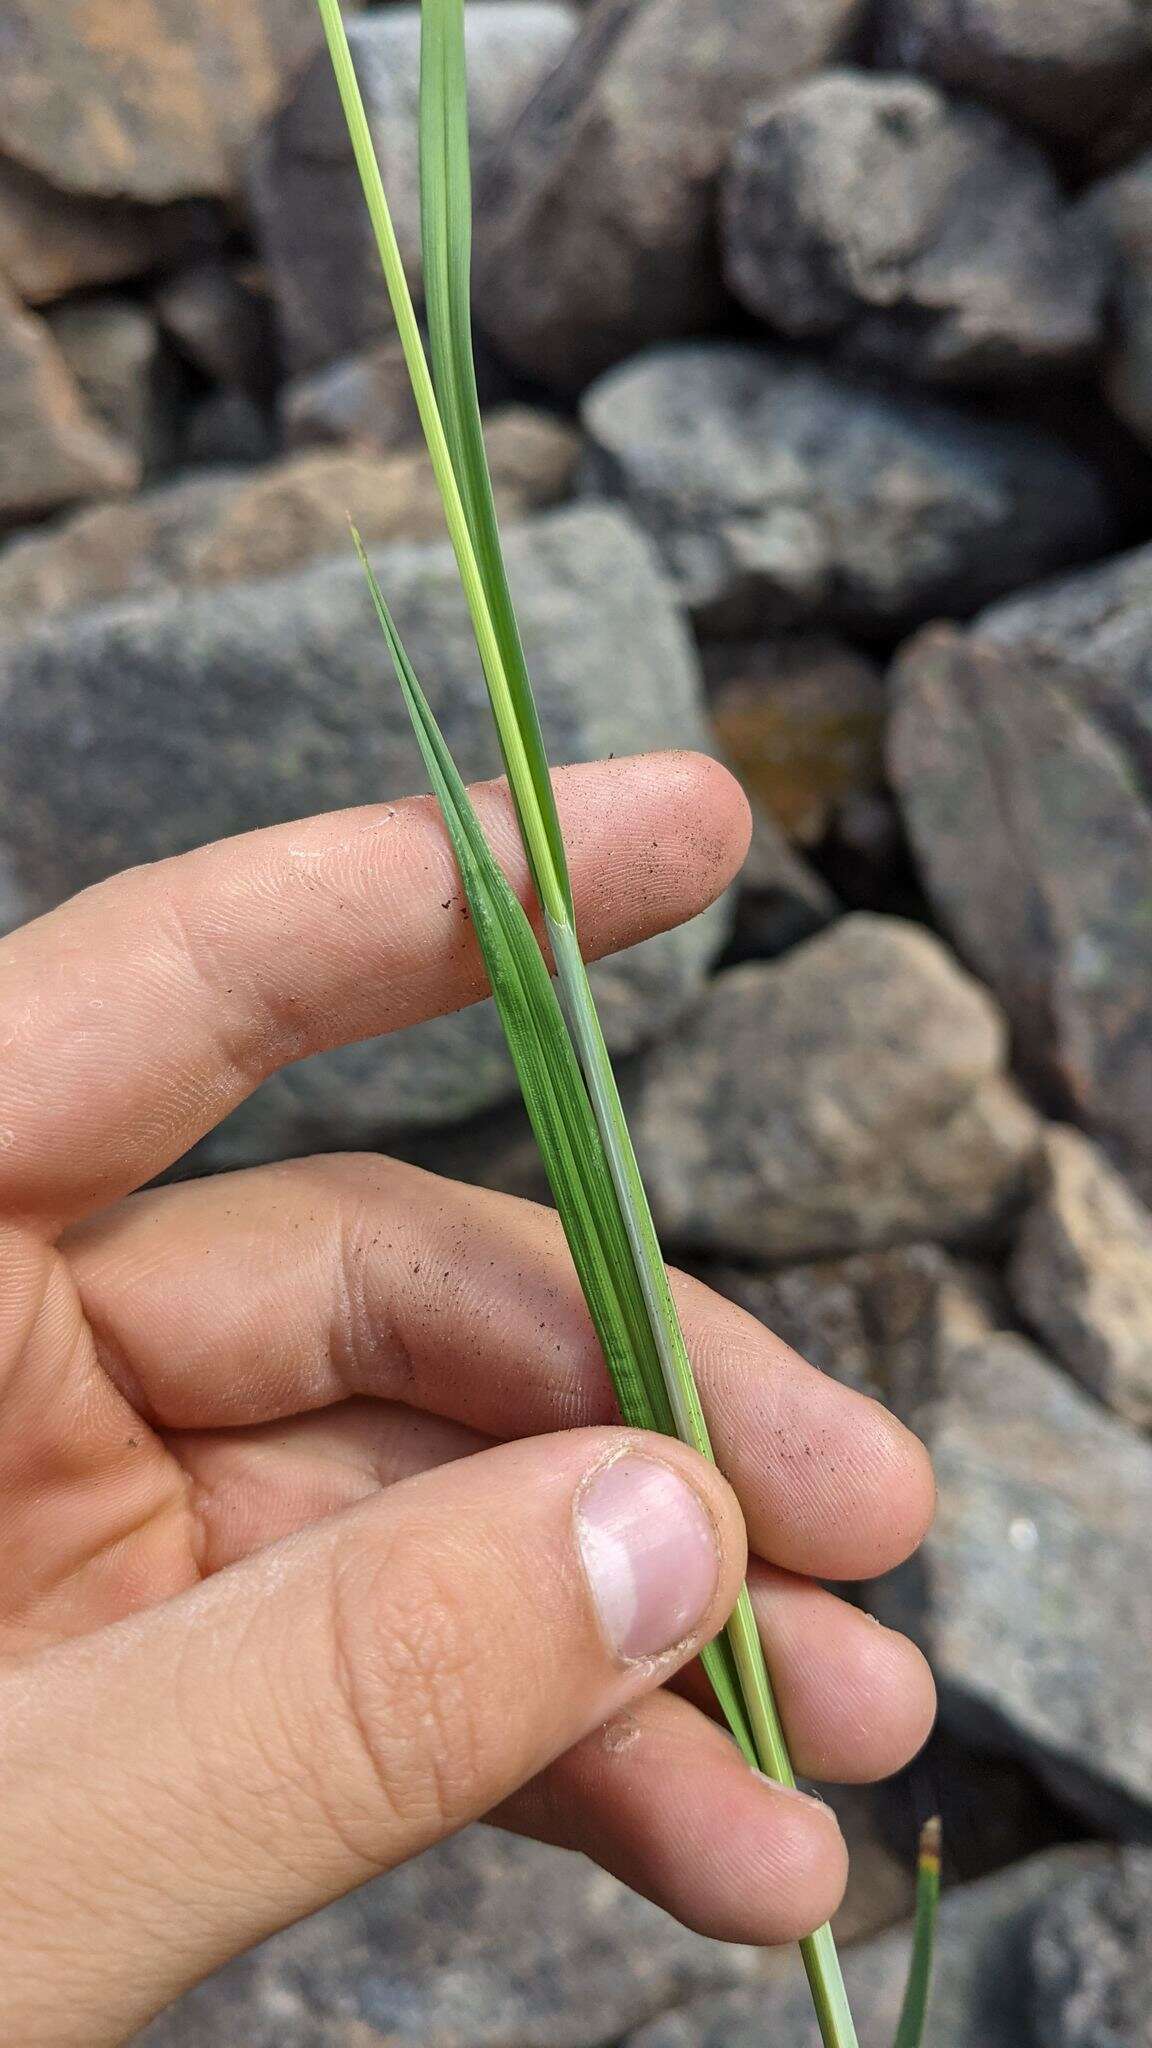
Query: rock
[
  {"x": 99, "y": 102},
  {"x": 982, "y": 1987},
  {"x": 55, "y": 449},
  {"x": 53, "y": 242},
  {"x": 365, "y": 400},
  {"x": 911, "y": 231},
  {"x": 849, "y": 1095},
  {"x": 361, "y": 401},
  {"x": 1080, "y": 76},
  {"x": 1021, "y": 752},
  {"x": 781, "y": 493},
  {"x": 594, "y": 232},
  {"x": 801, "y": 719},
  {"x": 239, "y": 706},
  {"x": 311, "y": 222},
  {"x": 780, "y": 899},
  {"x": 865, "y": 857},
  {"x": 221, "y": 321},
  {"x": 1031, "y": 1593},
  {"x": 1122, "y": 207},
  {"x": 484, "y": 1942},
  {"x": 1090, "y": 1949},
  {"x": 227, "y": 427},
  {"x": 1082, "y": 1275},
  {"x": 882, "y": 1322},
  {"x": 112, "y": 347},
  {"x": 236, "y": 525}
]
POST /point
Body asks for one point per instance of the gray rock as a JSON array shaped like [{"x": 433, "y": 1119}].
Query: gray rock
[
  {"x": 228, "y": 427},
  {"x": 1021, "y": 752},
  {"x": 780, "y": 899},
  {"x": 484, "y": 1942},
  {"x": 365, "y": 400},
  {"x": 595, "y": 218},
  {"x": 1031, "y": 1594},
  {"x": 360, "y": 401},
  {"x": 238, "y": 707},
  {"x": 982, "y": 1995},
  {"x": 881, "y": 1322},
  {"x": 112, "y": 347},
  {"x": 55, "y": 448},
  {"x": 911, "y": 231},
  {"x": 1082, "y": 1275},
  {"x": 1091, "y": 1955},
  {"x": 780, "y": 493},
  {"x": 159, "y": 106},
  {"x": 220, "y": 318},
  {"x": 1079, "y": 75},
  {"x": 849, "y": 1095},
  {"x": 310, "y": 218},
  {"x": 1122, "y": 207}
]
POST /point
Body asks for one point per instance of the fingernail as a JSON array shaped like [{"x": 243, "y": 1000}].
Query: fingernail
[{"x": 649, "y": 1549}]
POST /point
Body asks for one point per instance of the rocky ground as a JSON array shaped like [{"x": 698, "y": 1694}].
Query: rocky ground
[{"x": 816, "y": 351}]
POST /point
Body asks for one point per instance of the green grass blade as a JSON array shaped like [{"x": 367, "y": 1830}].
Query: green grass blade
[
  {"x": 550, "y": 884},
  {"x": 914, "y": 2012},
  {"x": 558, "y": 1106},
  {"x": 446, "y": 245}
]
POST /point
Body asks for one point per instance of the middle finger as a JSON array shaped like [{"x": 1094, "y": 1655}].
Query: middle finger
[{"x": 258, "y": 1295}]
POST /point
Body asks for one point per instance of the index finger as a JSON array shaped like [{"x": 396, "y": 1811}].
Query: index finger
[{"x": 140, "y": 1013}]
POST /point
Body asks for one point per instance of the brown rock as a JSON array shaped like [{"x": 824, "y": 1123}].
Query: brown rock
[
  {"x": 54, "y": 242},
  {"x": 1021, "y": 751},
  {"x": 594, "y": 232},
  {"x": 1082, "y": 1274},
  {"x": 232, "y": 527},
  {"x": 98, "y": 101},
  {"x": 55, "y": 449},
  {"x": 851, "y": 1094},
  {"x": 802, "y": 722}
]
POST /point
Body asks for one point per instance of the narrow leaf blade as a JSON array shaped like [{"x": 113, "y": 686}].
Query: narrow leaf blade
[{"x": 446, "y": 238}]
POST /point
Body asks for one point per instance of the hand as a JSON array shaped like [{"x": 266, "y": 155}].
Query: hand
[{"x": 317, "y": 1537}]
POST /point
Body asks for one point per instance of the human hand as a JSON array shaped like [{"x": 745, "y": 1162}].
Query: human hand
[{"x": 317, "y": 1538}]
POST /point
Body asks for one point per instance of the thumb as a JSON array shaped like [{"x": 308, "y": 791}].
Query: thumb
[{"x": 180, "y": 1785}]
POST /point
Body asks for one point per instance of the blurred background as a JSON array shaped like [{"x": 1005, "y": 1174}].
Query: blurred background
[{"x": 816, "y": 352}]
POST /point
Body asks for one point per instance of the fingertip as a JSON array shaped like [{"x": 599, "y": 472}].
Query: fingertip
[
  {"x": 706, "y": 798},
  {"x": 808, "y": 1845},
  {"x": 905, "y": 1482}
]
